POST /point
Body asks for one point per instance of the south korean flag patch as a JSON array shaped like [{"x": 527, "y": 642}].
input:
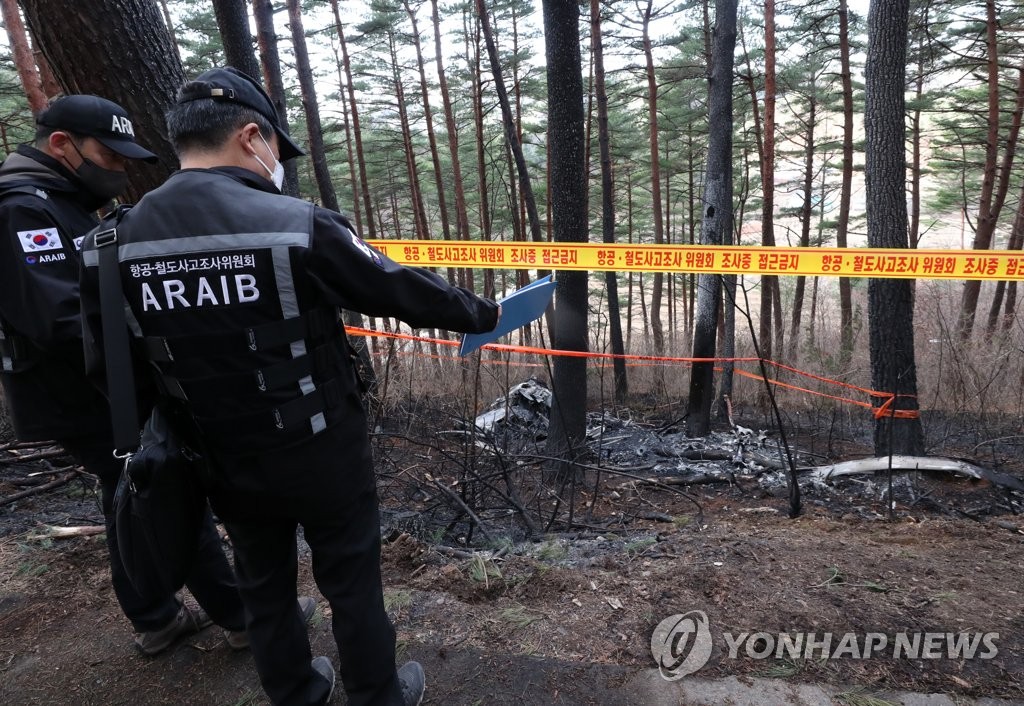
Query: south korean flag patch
[
  {"x": 367, "y": 250},
  {"x": 39, "y": 240}
]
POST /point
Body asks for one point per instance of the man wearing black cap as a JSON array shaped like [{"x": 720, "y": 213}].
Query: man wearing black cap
[
  {"x": 49, "y": 194},
  {"x": 236, "y": 290}
]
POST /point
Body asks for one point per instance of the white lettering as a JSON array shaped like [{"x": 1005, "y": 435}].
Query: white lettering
[
  {"x": 932, "y": 648},
  {"x": 874, "y": 642},
  {"x": 910, "y": 644},
  {"x": 56, "y": 257},
  {"x": 760, "y": 645},
  {"x": 148, "y": 298},
  {"x": 790, "y": 645},
  {"x": 173, "y": 290},
  {"x": 847, "y": 646},
  {"x": 989, "y": 640},
  {"x": 734, "y": 643},
  {"x": 245, "y": 286},
  {"x": 122, "y": 125},
  {"x": 206, "y": 293},
  {"x": 962, "y": 645},
  {"x": 812, "y": 643}
]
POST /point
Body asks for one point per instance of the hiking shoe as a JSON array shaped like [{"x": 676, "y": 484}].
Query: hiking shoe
[
  {"x": 239, "y": 639},
  {"x": 188, "y": 621},
  {"x": 412, "y": 682},
  {"x": 322, "y": 666}
]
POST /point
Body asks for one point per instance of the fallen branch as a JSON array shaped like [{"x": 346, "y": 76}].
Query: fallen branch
[
  {"x": 916, "y": 463},
  {"x": 26, "y": 445},
  {"x": 56, "y": 453},
  {"x": 38, "y": 489},
  {"x": 51, "y": 532}
]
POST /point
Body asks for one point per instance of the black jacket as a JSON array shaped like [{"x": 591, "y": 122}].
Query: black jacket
[
  {"x": 235, "y": 291},
  {"x": 43, "y": 216}
]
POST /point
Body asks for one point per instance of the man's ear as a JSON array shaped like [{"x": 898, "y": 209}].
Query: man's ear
[
  {"x": 58, "y": 144},
  {"x": 247, "y": 134}
]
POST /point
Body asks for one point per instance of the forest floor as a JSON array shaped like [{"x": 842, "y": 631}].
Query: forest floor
[{"x": 568, "y": 618}]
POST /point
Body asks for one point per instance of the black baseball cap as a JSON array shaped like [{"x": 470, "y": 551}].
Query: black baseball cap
[
  {"x": 96, "y": 117},
  {"x": 230, "y": 84}
]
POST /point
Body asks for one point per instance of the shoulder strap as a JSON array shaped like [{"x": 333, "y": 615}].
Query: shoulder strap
[
  {"x": 124, "y": 412},
  {"x": 24, "y": 189}
]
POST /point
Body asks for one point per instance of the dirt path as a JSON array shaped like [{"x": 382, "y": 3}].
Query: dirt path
[{"x": 566, "y": 622}]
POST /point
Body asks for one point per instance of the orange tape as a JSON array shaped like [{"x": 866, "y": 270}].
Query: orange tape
[{"x": 879, "y": 412}]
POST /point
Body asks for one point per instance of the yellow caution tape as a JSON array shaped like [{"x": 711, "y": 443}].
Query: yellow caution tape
[{"x": 836, "y": 262}]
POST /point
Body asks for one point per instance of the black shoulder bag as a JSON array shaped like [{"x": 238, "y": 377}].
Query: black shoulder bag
[{"x": 160, "y": 500}]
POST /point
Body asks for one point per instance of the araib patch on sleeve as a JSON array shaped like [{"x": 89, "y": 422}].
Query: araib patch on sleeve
[
  {"x": 367, "y": 250},
  {"x": 38, "y": 240}
]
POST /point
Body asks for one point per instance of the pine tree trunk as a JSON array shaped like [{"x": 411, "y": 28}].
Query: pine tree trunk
[
  {"x": 717, "y": 221},
  {"x": 22, "y": 55},
  {"x": 657, "y": 331},
  {"x": 461, "y": 212},
  {"x": 1016, "y": 242},
  {"x": 170, "y": 28},
  {"x": 510, "y": 127},
  {"x": 890, "y": 306},
  {"x": 416, "y": 195},
  {"x": 233, "y": 22},
  {"x": 567, "y": 432},
  {"x": 357, "y": 211},
  {"x": 328, "y": 198},
  {"x": 263, "y": 12},
  {"x": 481, "y": 156},
  {"x": 805, "y": 226},
  {"x": 134, "y": 65},
  {"x": 769, "y": 283},
  {"x": 357, "y": 134},
  {"x": 435, "y": 156},
  {"x": 607, "y": 202},
  {"x": 843, "y": 219},
  {"x": 993, "y": 194}
]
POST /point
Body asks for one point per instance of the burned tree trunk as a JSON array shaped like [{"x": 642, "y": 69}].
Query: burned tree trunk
[
  {"x": 717, "y": 214},
  {"x": 263, "y": 13}
]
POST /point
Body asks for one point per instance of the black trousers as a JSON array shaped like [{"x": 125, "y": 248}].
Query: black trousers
[
  {"x": 327, "y": 487},
  {"x": 212, "y": 581}
]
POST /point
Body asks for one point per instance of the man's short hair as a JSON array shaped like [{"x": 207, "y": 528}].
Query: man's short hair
[{"x": 203, "y": 126}]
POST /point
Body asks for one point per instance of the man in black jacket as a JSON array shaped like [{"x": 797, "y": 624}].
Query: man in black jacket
[
  {"x": 49, "y": 193},
  {"x": 235, "y": 292}
]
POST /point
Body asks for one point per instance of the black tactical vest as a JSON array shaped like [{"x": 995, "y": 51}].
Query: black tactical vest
[{"x": 222, "y": 308}]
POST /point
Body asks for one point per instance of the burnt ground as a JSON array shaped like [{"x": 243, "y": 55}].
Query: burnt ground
[{"x": 567, "y": 615}]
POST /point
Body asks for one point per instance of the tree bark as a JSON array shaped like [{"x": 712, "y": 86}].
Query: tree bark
[
  {"x": 607, "y": 203},
  {"x": 992, "y": 194},
  {"x": 890, "y": 306},
  {"x": 769, "y": 283},
  {"x": 328, "y": 197},
  {"x": 843, "y": 220},
  {"x": 134, "y": 65},
  {"x": 22, "y": 54},
  {"x": 263, "y": 12},
  {"x": 805, "y": 223},
  {"x": 569, "y": 217},
  {"x": 657, "y": 331},
  {"x": 435, "y": 156},
  {"x": 170, "y": 28},
  {"x": 717, "y": 214},
  {"x": 233, "y": 22},
  {"x": 461, "y": 212}
]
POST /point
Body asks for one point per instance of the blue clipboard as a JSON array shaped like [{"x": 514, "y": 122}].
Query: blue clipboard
[{"x": 517, "y": 310}]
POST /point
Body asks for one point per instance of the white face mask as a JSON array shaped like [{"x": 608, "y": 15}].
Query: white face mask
[{"x": 277, "y": 173}]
